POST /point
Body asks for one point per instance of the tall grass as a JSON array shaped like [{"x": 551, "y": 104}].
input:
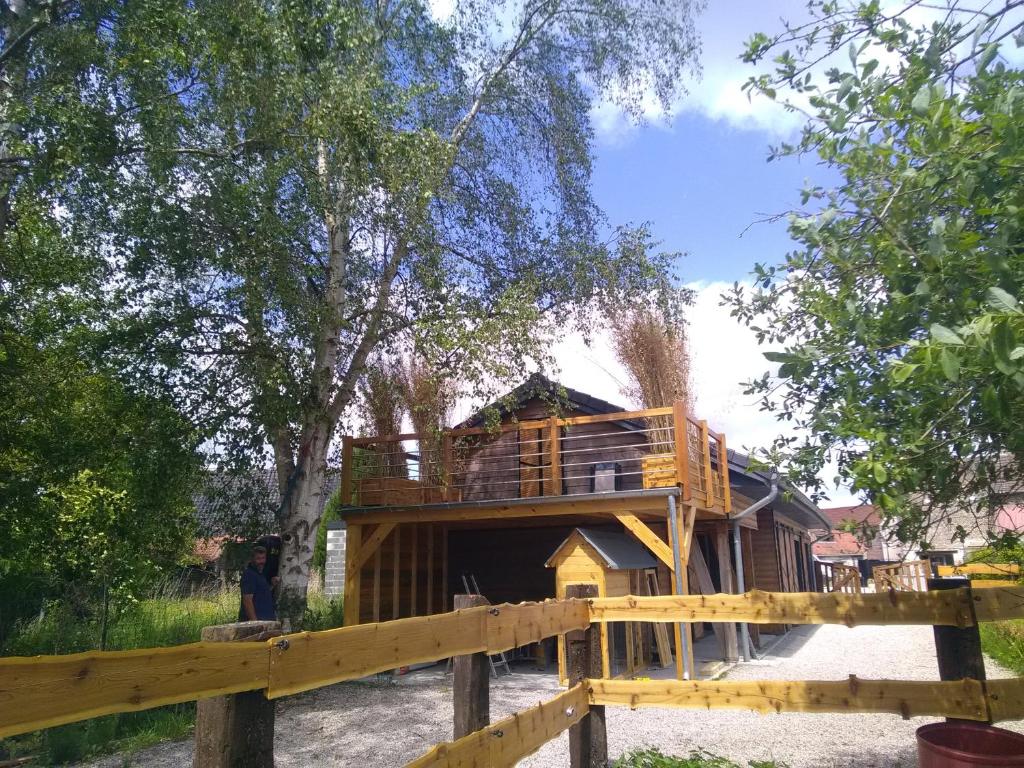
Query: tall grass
[
  {"x": 154, "y": 622},
  {"x": 1004, "y": 642},
  {"x": 654, "y": 758}
]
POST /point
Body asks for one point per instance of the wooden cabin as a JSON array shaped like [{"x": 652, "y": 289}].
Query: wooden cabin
[{"x": 497, "y": 495}]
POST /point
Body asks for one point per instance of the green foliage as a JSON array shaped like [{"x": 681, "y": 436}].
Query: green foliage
[
  {"x": 899, "y": 312},
  {"x": 1004, "y": 642},
  {"x": 698, "y": 758},
  {"x": 332, "y": 512}
]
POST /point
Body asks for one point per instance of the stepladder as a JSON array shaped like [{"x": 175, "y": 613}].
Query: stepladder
[{"x": 499, "y": 659}]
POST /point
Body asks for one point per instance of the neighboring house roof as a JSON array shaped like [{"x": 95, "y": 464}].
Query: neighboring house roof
[
  {"x": 842, "y": 544},
  {"x": 619, "y": 550},
  {"x": 246, "y": 504},
  {"x": 860, "y": 513}
]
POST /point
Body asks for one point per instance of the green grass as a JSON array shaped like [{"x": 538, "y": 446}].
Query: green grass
[
  {"x": 1004, "y": 642},
  {"x": 654, "y": 758},
  {"x": 151, "y": 623}
]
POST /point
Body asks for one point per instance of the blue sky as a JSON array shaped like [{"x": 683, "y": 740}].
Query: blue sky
[{"x": 700, "y": 177}]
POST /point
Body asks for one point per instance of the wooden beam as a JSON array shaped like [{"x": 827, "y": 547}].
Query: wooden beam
[
  {"x": 647, "y": 537},
  {"x": 471, "y": 682},
  {"x": 377, "y": 558},
  {"x": 682, "y": 452},
  {"x": 44, "y": 691},
  {"x": 687, "y": 537},
  {"x": 555, "y": 458},
  {"x": 413, "y": 580},
  {"x": 949, "y": 608},
  {"x": 353, "y": 582},
  {"x": 723, "y": 469},
  {"x": 396, "y": 573},
  {"x": 372, "y": 543},
  {"x": 508, "y": 741},
  {"x": 566, "y": 505},
  {"x": 709, "y": 483},
  {"x": 963, "y": 699},
  {"x": 345, "y": 489},
  {"x": 725, "y": 576},
  {"x": 314, "y": 659},
  {"x": 588, "y": 739},
  {"x": 430, "y": 568},
  {"x": 707, "y": 587}
]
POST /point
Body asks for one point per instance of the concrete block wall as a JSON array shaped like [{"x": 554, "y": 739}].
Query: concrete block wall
[{"x": 334, "y": 570}]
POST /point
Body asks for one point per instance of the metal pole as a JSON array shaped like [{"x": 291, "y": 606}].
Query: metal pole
[
  {"x": 677, "y": 559},
  {"x": 741, "y": 587}
]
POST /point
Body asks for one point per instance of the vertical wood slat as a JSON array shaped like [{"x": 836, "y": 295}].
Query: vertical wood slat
[
  {"x": 446, "y": 467},
  {"x": 413, "y": 575},
  {"x": 353, "y": 545},
  {"x": 345, "y": 490},
  {"x": 709, "y": 482},
  {"x": 377, "y": 558},
  {"x": 396, "y": 573},
  {"x": 430, "y": 568},
  {"x": 682, "y": 455},
  {"x": 723, "y": 469},
  {"x": 555, "y": 458},
  {"x": 444, "y": 568}
]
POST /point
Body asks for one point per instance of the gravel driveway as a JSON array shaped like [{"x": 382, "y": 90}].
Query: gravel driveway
[{"x": 363, "y": 724}]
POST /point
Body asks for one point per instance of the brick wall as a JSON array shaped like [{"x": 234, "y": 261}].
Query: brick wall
[{"x": 334, "y": 572}]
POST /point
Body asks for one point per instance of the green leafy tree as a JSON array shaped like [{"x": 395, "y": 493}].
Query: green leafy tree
[
  {"x": 899, "y": 312},
  {"x": 286, "y": 188}
]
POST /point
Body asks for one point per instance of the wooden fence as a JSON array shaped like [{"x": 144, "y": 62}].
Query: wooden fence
[
  {"x": 1010, "y": 571},
  {"x": 909, "y": 576},
  {"x": 837, "y": 577},
  {"x": 40, "y": 692}
]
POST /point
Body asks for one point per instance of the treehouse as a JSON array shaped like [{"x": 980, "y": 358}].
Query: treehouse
[{"x": 490, "y": 501}]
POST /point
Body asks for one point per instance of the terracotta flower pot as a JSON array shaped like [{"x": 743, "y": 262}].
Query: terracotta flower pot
[{"x": 963, "y": 744}]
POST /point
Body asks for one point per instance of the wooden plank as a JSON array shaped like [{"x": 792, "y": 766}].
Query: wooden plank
[
  {"x": 508, "y": 741},
  {"x": 1006, "y": 698},
  {"x": 430, "y": 568},
  {"x": 444, "y": 568},
  {"x": 994, "y": 583},
  {"x": 947, "y": 608},
  {"x": 345, "y": 488},
  {"x": 315, "y": 659},
  {"x": 999, "y": 603},
  {"x": 709, "y": 483},
  {"x": 377, "y": 558},
  {"x": 555, "y": 456},
  {"x": 983, "y": 569},
  {"x": 396, "y": 572},
  {"x": 723, "y": 468},
  {"x": 372, "y": 544},
  {"x": 413, "y": 575},
  {"x": 619, "y": 416},
  {"x": 44, "y": 691},
  {"x": 647, "y": 537},
  {"x": 567, "y": 505},
  {"x": 353, "y": 583},
  {"x": 725, "y": 577},
  {"x": 707, "y": 587},
  {"x": 964, "y": 699},
  {"x": 682, "y": 454}
]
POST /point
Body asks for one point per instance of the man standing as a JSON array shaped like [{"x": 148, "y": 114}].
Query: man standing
[
  {"x": 271, "y": 571},
  {"x": 257, "y": 599}
]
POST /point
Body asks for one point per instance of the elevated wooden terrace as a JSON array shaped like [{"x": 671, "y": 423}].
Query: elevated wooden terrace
[{"x": 422, "y": 504}]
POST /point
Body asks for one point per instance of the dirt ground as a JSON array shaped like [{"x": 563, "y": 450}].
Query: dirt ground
[{"x": 388, "y": 724}]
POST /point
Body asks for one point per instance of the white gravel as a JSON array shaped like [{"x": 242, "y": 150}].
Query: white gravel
[{"x": 362, "y": 724}]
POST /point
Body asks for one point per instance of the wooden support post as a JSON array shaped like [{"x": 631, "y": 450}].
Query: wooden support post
[
  {"x": 353, "y": 569},
  {"x": 709, "y": 481},
  {"x": 682, "y": 452},
  {"x": 471, "y": 686},
  {"x": 725, "y": 577},
  {"x": 723, "y": 469},
  {"x": 345, "y": 490},
  {"x": 958, "y": 650},
  {"x": 588, "y": 739},
  {"x": 555, "y": 458},
  {"x": 396, "y": 573},
  {"x": 238, "y": 729},
  {"x": 447, "y": 492},
  {"x": 413, "y": 576}
]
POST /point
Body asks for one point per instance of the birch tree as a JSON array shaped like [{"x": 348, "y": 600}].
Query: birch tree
[{"x": 314, "y": 182}]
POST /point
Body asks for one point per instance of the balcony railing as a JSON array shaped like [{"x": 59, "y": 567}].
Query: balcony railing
[{"x": 629, "y": 450}]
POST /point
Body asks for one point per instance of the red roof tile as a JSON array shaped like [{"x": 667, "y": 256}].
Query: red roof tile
[{"x": 842, "y": 544}]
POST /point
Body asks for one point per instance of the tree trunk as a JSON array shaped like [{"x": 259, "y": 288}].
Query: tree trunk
[{"x": 298, "y": 534}]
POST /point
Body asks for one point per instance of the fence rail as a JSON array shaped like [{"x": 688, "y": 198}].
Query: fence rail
[
  {"x": 910, "y": 576},
  {"x": 979, "y": 569},
  {"x": 39, "y": 692}
]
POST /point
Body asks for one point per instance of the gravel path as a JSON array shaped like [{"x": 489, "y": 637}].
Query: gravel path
[{"x": 363, "y": 724}]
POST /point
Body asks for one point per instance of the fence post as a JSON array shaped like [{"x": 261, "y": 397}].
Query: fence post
[
  {"x": 236, "y": 730},
  {"x": 958, "y": 649},
  {"x": 471, "y": 685},
  {"x": 588, "y": 739}
]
